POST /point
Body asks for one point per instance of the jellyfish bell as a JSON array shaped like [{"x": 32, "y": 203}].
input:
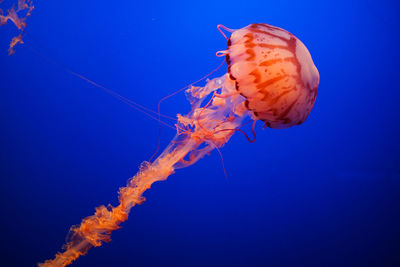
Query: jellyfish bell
[{"x": 274, "y": 71}]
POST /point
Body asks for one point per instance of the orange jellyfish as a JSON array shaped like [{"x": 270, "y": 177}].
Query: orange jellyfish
[
  {"x": 19, "y": 20},
  {"x": 271, "y": 77}
]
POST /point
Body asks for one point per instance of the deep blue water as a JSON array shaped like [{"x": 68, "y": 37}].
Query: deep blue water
[{"x": 325, "y": 193}]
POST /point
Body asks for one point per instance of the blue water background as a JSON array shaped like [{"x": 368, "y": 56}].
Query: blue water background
[{"x": 326, "y": 193}]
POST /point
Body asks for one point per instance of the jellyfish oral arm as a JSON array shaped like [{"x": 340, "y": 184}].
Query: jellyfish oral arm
[{"x": 198, "y": 133}]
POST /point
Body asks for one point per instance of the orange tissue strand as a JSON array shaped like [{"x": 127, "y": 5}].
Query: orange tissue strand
[
  {"x": 19, "y": 20},
  {"x": 16, "y": 40},
  {"x": 206, "y": 128}
]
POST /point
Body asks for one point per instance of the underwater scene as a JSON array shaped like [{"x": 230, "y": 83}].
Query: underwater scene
[{"x": 200, "y": 133}]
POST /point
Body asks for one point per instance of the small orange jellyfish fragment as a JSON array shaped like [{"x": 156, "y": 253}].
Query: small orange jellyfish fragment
[
  {"x": 16, "y": 40},
  {"x": 274, "y": 71},
  {"x": 271, "y": 77},
  {"x": 19, "y": 22}
]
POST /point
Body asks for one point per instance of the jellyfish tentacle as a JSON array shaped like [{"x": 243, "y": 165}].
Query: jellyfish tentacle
[
  {"x": 199, "y": 138},
  {"x": 222, "y": 160},
  {"x": 170, "y": 95},
  {"x": 221, "y": 53},
  {"x": 219, "y": 26},
  {"x": 141, "y": 108}
]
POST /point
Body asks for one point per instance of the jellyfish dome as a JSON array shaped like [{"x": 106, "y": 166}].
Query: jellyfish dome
[{"x": 274, "y": 71}]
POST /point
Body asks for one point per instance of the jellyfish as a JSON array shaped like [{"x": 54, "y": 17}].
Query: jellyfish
[
  {"x": 14, "y": 15},
  {"x": 270, "y": 77}
]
